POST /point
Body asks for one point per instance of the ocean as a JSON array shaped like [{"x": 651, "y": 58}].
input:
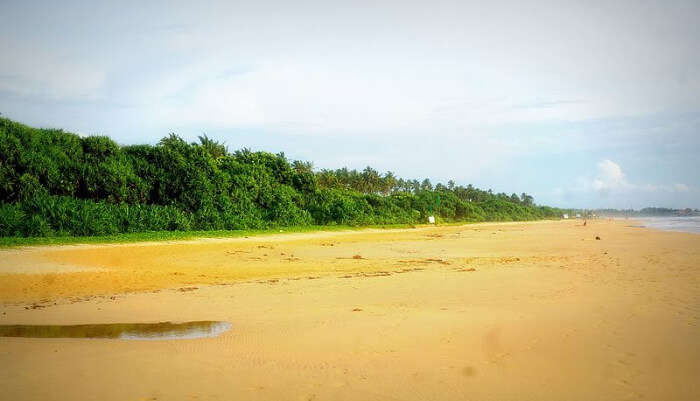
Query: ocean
[{"x": 684, "y": 224}]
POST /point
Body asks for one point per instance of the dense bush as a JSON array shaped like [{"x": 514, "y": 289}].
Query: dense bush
[{"x": 54, "y": 183}]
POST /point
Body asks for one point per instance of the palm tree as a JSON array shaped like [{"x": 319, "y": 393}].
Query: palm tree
[
  {"x": 302, "y": 167},
  {"x": 400, "y": 185},
  {"x": 171, "y": 140},
  {"x": 214, "y": 148},
  {"x": 388, "y": 183},
  {"x": 415, "y": 186},
  {"x": 370, "y": 180}
]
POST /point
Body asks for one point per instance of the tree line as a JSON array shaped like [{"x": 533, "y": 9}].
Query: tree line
[
  {"x": 55, "y": 183},
  {"x": 370, "y": 181}
]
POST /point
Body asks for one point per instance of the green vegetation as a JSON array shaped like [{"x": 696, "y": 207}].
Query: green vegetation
[
  {"x": 179, "y": 235},
  {"x": 58, "y": 184}
]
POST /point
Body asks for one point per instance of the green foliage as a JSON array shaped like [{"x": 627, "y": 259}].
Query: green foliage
[
  {"x": 11, "y": 220},
  {"x": 54, "y": 183},
  {"x": 214, "y": 148}
]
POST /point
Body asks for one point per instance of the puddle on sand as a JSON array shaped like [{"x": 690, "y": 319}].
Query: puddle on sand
[{"x": 121, "y": 331}]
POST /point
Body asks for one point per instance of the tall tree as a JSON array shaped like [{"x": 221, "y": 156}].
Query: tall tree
[{"x": 214, "y": 148}]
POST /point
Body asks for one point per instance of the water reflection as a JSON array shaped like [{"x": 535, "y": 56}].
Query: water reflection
[{"x": 124, "y": 331}]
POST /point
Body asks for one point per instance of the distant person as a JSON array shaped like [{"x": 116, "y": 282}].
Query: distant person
[{"x": 584, "y": 223}]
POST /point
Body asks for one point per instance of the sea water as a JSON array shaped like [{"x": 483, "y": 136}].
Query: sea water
[{"x": 685, "y": 224}]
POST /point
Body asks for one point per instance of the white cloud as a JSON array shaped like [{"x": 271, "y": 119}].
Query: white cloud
[{"x": 611, "y": 179}]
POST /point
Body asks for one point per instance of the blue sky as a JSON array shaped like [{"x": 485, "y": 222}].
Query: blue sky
[{"x": 584, "y": 104}]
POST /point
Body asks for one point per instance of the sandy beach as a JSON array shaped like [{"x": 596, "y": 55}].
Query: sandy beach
[{"x": 511, "y": 311}]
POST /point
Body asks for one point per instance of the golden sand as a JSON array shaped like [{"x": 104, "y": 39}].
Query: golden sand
[{"x": 521, "y": 311}]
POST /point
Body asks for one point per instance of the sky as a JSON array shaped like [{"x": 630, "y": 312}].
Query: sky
[{"x": 579, "y": 103}]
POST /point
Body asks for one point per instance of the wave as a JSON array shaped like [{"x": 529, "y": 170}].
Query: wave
[{"x": 683, "y": 224}]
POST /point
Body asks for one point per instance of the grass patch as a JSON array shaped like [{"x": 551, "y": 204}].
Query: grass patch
[{"x": 7, "y": 242}]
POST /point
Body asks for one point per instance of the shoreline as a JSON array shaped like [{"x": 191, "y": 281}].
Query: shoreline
[{"x": 674, "y": 223}]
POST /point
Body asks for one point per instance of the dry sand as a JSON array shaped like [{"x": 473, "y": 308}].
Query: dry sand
[{"x": 522, "y": 311}]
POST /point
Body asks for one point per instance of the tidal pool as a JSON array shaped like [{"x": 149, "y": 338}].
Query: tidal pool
[{"x": 121, "y": 331}]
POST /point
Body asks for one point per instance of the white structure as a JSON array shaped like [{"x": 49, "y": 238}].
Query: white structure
[
  {"x": 566, "y": 216},
  {"x": 431, "y": 219}
]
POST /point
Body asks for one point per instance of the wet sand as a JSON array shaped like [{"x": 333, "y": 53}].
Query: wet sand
[{"x": 520, "y": 311}]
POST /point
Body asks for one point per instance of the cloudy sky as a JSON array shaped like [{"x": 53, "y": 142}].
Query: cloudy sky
[{"x": 582, "y": 103}]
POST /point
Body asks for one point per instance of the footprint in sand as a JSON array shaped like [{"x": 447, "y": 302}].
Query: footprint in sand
[{"x": 493, "y": 348}]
